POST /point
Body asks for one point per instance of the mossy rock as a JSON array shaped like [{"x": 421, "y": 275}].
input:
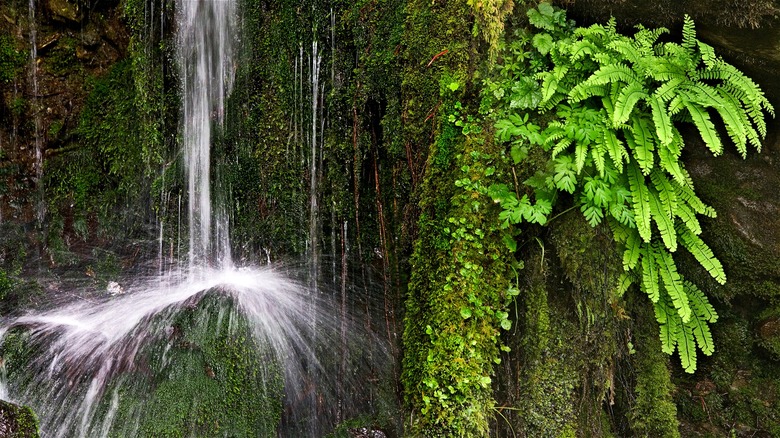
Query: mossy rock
[
  {"x": 17, "y": 421},
  {"x": 202, "y": 374},
  {"x": 209, "y": 378}
]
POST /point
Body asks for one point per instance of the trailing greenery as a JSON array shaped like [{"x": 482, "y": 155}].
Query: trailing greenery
[
  {"x": 461, "y": 272},
  {"x": 617, "y": 103},
  {"x": 490, "y": 16}
]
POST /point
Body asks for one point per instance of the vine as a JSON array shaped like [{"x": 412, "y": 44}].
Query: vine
[{"x": 614, "y": 146}]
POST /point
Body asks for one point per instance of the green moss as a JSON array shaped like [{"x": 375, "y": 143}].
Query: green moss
[
  {"x": 18, "y": 421},
  {"x": 653, "y": 412},
  {"x": 61, "y": 60},
  {"x": 11, "y": 60}
]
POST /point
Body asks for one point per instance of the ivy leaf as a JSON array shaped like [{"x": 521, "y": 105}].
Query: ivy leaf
[{"x": 543, "y": 42}]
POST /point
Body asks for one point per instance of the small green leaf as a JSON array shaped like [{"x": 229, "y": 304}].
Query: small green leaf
[
  {"x": 465, "y": 313},
  {"x": 510, "y": 243},
  {"x": 506, "y": 324}
]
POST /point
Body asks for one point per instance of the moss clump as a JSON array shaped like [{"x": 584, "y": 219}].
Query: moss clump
[
  {"x": 653, "y": 412},
  {"x": 17, "y": 421}
]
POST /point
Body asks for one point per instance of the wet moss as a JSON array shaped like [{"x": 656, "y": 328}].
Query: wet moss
[
  {"x": 207, "y": 377},
  {"x": 17, "y": 421}
]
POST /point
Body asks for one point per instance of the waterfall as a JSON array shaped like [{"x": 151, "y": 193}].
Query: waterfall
[
  {"x": 104, "y": 365},
  {"x": 205, "y": 56}
]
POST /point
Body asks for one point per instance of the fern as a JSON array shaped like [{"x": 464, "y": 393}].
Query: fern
[
  {"x": 703, "y": 254},
  {"x": 615, "y": 144}
]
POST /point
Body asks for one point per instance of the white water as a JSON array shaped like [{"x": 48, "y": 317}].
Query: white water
[
  {"x": 86, "y": 347},
  {"x": 205, "y": 55}
]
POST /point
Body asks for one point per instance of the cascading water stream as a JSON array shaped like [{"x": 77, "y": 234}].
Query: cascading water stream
[
  {"x": 85, "y": 356},
  {"x": 205, "y": 55},
  {"x": 40, "y": 206}
]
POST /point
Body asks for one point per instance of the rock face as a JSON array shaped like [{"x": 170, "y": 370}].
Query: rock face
[
  {"x": 72, "y": 50},
  {"x": 63, "y": 11},
  {"x": 17, "y": 421}
]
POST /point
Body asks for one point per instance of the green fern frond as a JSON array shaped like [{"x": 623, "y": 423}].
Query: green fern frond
[
  {"x": 628, "y": 98},
  {"x": 673, "y": 283},
  {"x": 663, "y": 70},
  {"x": 597, "y": 153},
  {"x": 661, "y": 119},
  {"x": 632, "y": 251},
  {"x": 669, "y": 324},
  {"x": 701, "y": 119},
  {"x": 645, "y": 39},
  {"x": 626, "y": 49},
  {"x": 738, "y": 126},
  {"x": 625, "y": 280},
  {"x": 703, "y": 315},
  {"x": 688, "y": 218},
  {"x": 700, "y": 304},
  {"x": 689, "y": 34},
  {"x": 666, "y": 193},
  {"x": 669, "y": 162},
  {"x": 581, "y": 48},
  {"x": 642, "y": 144},
  {"x": 561, "y": 146},
  {"x": 603, "y": 76},
  {"x": 686, "y": 193},
  {"x": 580, "y": 155},
  {"x": 701, "y": 331},
  {"x": 664, "y": 222},
  {"x": 640, "y": 197},
  {"x": 617, "y": 152},
  {"x": 666, "y": 91},
  {"x": 702, "y": 253},
  {"x": 584, "y": 91},
  {"x": 705, "y": 95},
  {"x": 686, "y": 346},
  {"x": 650, "y": 283},
  {"x": 677, "y": 104}
]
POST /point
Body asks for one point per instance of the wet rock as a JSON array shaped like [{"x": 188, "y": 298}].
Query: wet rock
[
  {"x": 366, "y": 432},
  {"x": 114, "y": 288},
  {"x": 47, "y": 42},
  {"x": 769, "y": 329},
  {"x": 90, "y": 38},
  {"x": 64, "y": 11},
  {"x": 17, "y": 421}
]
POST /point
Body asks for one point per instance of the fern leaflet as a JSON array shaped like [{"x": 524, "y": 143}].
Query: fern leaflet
[
  {"x": 640, "y": 196},
  {"x": 703, "y": 254},
  {"x": 673, "y": 283}
]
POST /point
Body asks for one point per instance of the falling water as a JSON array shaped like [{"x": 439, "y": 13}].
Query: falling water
[
  {"x": 205, "y": 56},
  {"x": 316, "y": 61},
  {"x": 40, "y": 211}
]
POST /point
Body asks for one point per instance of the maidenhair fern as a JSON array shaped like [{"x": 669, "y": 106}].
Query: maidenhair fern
[{"x": 615, "y": 145}]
